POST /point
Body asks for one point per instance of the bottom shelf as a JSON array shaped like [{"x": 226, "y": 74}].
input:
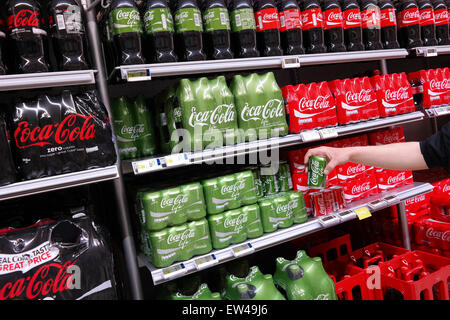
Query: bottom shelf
[{"x": 357, "y": 208}]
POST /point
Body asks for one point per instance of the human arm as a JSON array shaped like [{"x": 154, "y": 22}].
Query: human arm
[{"x": 396, "y": 156}]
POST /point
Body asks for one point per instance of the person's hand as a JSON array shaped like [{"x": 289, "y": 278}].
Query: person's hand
[{"x": 335, "y": 156}]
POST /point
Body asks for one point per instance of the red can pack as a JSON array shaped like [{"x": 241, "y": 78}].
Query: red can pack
[
  {"x": 310, "y": 106},
  {"x": 435, "y": 84},
  {"x": 360, "y": 188},
  {"x": 355, "y": 100},
  {"x": 394, "y": 94},
  {"x": 350, "y": 170},
  {"x": 390, "y": 179},
  {"x": 432, "y": 233},
  {"x": 388, "y": 136},
  {"x": 441, "y": 193},
  {"x": 417, "y": 204},
  {"x": 339, "y": 197},
  {"x": 318, "y": 204},
  {"x": 300, "y": 181},
  {"x": 297, "y": 159},
  {"x": 329, "y": 200}
]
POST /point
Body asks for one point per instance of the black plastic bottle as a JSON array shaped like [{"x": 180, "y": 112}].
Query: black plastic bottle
[
  {"x": 188, "y": 28},
  {"x": 216, "y": 23},
  {"x": 159, "y": 30},
  {"x": 290, "y": 27},
  {"x": 442, "y": 23},
  {"x": 243, "y": 29},
  {"x": 68, "y": 34},
  {"x": 333, "y": 20},
  {"x": 267, "y": 28},
  {"x": 312, "y": 23},
  {"x": 371, "y": 24},
  {"x": 408, "y": 19},
  {"x": 27, "y": 36},
  {"x": 388, "y": 22},
  {"x": 427, "y": 23},
  {"x": 126, "y": 25},
  {"x": 352, "y": 25}
]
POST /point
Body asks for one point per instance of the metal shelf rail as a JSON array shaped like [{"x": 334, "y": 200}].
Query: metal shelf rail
[
  {"x": 46, "y": 80},
  {"x": 356, "y": 209},
  {"x": 438, "y": 111},
  {"x": 431, "y": 51},
  {"x": 30, "y": 187},
  {"x": 154, "y": 164},
  {"x": 146, "y": 72}
]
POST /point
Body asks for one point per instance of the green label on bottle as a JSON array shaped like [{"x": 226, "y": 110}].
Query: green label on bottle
[
  {"x": 188, "y": 19},
  {"x": 216, "y": 19},
  {"x": 126, "y": 20},
  {"x": 158, "y": 20},
  {"x": 242, "y": 19}
]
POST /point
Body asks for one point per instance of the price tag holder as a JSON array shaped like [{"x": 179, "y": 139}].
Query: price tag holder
[
  {"x": 290, "y": 62},
  {"x": 147, "y": 165},
  {"x": 363, "y": 213},
  {"x": 431, "y": 113},
  {"x": 377, "y": 204},
  {"x": 137, "y": 75},
  {"x": 243, "y": 250},
  {"x": 347, "y": 215},
  {"x": 328, "y": 221},
  {"x": 177, "y": 159},
  {"x": 310, "y": 135},
  {"x": 174, "y": 271},
  {"x": 328, "y": 133},
  {"x": 430, "y": 52},
  {"x": 441, "y": 111},
  {"x": 391, "y": 199},
  {"x": 206, "y": 262}
]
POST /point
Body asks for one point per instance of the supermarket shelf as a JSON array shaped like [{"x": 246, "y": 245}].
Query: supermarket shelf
[
  {"x": 143, "y": 166},
  {"x": 355, "y": 56},
  {"x": 438, "y": 111},
  {"x": 373, "y": 204},
  {"x": 146, "y": 72},
  {"x": 431, "y": 51},
  {"x": 46, "y": 80},
  {"x": 62, "y": 181}
]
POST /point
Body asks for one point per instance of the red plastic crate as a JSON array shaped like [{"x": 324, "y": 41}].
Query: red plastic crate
[
  {"x": 375, "y": 253},
  {"x": 417, "y": 275},
  {"x": 336, "y": 249}
]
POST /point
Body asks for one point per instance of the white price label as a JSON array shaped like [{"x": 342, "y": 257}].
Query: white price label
[
  {"x": 430, "y": 52},
  {"x": 177, "y": 159},
  {"x": 138, "y": 75},
  {"x": 328, "y": 220},
  {"x": 310, "y": 135},
  {"x": 441, "y": 111},
  {"x": 205, "y": 262},
  {"x": 145, "y": 166},
  {"x": 243, "y": 249},
  {"x": 173, "y": 271},
  {"x": 290, "y": 62},
  {"x": 391, "y": 199},
  {"x": 328, "y": 133},
  {"x": 377, "y": 204},
  {"x": 347, "y": 215}
]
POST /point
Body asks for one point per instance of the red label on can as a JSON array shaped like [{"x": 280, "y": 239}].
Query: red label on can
[
  {"x": 24, "y": 19},
  {"x": 267, "y": 19},
  {"x": 290, "y": 19},
  {"x": 408, "y": 17},
  {"x": 441, "y": 17},
  {"x": 312, "y": 18},
  {"x": 352, "y": 18},
  {"x": 371, "y": 18},
  {"x": 426, "y": 17},
  {"x": 388, "y": 17},
  {"x": 333, "y": 18}
]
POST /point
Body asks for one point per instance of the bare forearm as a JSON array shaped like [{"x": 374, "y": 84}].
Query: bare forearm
[{"x": 396, "y": 156}]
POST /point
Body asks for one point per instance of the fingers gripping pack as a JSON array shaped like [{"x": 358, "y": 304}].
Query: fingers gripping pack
[
  {"x": 62, "y": 260},
  {"x": 309, "y": 106},
  {"x": 60, "y": 134}
]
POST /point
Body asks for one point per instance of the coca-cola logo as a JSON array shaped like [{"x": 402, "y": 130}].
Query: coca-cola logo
[
  {"x": 426, "y": 15},
  {"x": 415, "y": 199},
  {"x": 271, "y": 110},
  {"x": 234, "y": 189},
  {"x": 181, "y": 238},
  {"x": 237, "y": 222},
  {"x": 441, "y": 15},
  {"x": 58, "y": 133},
  {"x": 267, "y": 17},
  {"x": 360, "y": 188},
  {"x": 287, "y": 208},
  {"x": 24, "y": 18},
  {"x": 400, "y": 94},
  {"x": 363, "y": 96},
  {"x": 440, "y": 235},
  {"x": 440, "y": 85},
  {"x": 221, "y": 114},
  {"x": 446, "y": 188},
  {"x": 410, "y": 16},
  {"x": 133, "y": 131},
  {"x": 176, "y": 203},
  {"x": 131, "y": 17},
  {"x": 396, "y": 179},
  {"x": 315, "y": 172},
  {"x": 334, "y": 17},
  {"x": 352, "y": 170},
  {"x": 390, "y": 138},
  {"x": 39, "y": 284},
  {"x": 321, "y": 102}
]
